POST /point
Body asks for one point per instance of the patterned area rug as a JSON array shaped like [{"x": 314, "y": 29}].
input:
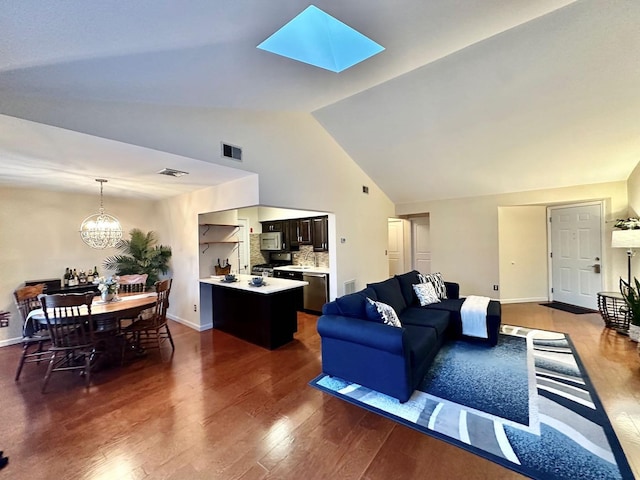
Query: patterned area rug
[{"x": 526, "y": 404}]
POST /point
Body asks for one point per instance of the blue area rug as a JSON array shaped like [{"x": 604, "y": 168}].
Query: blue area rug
[{"x": 526, "y": 404}]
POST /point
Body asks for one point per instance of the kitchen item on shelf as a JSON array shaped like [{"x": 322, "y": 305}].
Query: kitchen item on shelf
[
  {"x": 230, "y": 277},
  {"x": 223, "y": 269},
  {"x": 257, "y": 281}
]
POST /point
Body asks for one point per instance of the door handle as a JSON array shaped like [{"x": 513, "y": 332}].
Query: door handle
[{"x": 596, "y": 268}]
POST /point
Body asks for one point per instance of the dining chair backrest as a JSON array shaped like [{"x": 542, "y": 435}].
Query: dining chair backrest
[
  {"x": 26, "y": 299},
  {"x": 69, "y": 319},
  {"x": 163, "y": 288},
  {"x": 132, "y": 283}
]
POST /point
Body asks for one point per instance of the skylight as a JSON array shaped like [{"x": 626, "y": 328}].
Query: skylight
[{"x": 317, "y": 38}]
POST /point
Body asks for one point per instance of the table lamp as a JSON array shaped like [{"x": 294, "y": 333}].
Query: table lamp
[{"x": 628, "y": 239}]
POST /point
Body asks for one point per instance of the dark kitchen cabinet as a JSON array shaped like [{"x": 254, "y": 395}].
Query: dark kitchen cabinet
[
  {"x": 320, "y": 226},
  {"x": 272, "y": 226},
  {"x": 306, "y": 236},
  {"x": 300, "y": 232}
]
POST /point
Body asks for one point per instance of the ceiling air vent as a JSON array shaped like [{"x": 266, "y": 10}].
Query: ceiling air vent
[
  {"x": 231, "y": 151},
  {"x": 170, "y": 172}
]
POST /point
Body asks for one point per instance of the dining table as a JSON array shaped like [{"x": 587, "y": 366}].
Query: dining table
[{"x": 105, "y": 315}]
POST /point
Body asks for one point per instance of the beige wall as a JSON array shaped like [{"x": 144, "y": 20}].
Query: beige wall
[
  {"x": 39, "y": 238},
  {"x": 465, "y": 232},
  {"x": 522, "y": 245}
]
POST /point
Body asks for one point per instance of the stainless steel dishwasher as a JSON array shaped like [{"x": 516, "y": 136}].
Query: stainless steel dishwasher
[{"x": 315, "y": 294}]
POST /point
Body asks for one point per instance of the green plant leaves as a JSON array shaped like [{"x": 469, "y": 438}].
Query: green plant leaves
[{"x": 140, "y": 254}]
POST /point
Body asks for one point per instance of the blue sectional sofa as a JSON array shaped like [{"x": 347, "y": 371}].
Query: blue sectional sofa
[{"x": 384, "y": 358}]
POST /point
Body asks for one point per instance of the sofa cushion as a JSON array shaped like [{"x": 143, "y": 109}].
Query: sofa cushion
[
  {"x": 382, "y": 313},
  {"x": 351, "y": 305},
  {"x": 406, "y": 281},
  {"x": 426, "y": 293},
  {"x": 389, "y": 292},
  {"x": 421, "y": 341},
  {"x": 425, "y": 317},
  {"x": 437, "y": 281},
  {"x": 450, "y": 305}
]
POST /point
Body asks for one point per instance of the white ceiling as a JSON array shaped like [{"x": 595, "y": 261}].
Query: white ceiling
[{"x": 468, "y": 98}]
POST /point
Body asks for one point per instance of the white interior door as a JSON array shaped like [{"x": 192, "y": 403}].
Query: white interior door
[
  {"x": 396, "y": 247},
  {"x": 243, "y": 247},
  {"x": 576, "y": 250},
  {"x": 421, "y": 244}
]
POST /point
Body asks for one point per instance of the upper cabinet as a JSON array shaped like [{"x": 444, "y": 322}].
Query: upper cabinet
[
  {"x": 301, "y": 231},
  {"x": 320, "y": 234}
]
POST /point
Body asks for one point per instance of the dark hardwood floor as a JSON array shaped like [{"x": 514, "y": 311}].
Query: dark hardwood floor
[{"x": 221, "y": 408}]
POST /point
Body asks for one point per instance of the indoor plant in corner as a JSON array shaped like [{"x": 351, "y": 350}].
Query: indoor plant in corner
[
  {"x": 632, "y": 299},
  {"x": 141, "y": 254}
]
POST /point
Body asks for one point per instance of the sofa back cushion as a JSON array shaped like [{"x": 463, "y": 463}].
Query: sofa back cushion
[
  {"x": 407, "y": 281},
  {"x": 351, "y": 305},
  {"x": 389, "y": 292}
]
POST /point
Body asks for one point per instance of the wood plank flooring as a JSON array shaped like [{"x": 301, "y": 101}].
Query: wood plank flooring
[{"x": 220, "y": 408}]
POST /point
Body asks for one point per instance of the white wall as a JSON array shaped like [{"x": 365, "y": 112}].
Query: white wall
[
  {"x": 465, "y": 232},
  {"x": 179, "y": 225},
  {"x": 523, "y": 260},
  {"x": 39, "y": 238}
]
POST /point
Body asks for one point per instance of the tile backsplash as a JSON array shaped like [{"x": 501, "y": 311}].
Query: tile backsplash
[{"x": 306, "y": 256}]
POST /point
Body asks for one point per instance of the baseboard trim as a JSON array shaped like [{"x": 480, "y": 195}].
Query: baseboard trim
[
  {"x": 10, "y": 341},
  {"x": 524, "y": 300},
  {"x": 195, "y": 326}
]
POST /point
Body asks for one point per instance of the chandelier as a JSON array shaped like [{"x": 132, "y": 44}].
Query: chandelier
[{"x": 101, "y": 230}]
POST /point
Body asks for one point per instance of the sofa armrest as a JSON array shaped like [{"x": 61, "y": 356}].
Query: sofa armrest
[
  {"x": 453, "y": 290},
  {"x": 363, "y": 332}
]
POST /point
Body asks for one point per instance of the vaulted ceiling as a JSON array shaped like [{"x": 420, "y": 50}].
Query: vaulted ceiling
[{"x": 468, "y": 97}]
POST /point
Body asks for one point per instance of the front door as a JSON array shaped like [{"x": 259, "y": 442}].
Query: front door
[{"x": 576, "y": 250}]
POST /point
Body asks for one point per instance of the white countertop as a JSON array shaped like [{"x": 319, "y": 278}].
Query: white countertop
[
  {"x": 303, "y": 269},
  {"x": 272, "y": 285}
]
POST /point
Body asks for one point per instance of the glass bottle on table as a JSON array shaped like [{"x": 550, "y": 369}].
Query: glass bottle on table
[{"x": 65, "y": 278}]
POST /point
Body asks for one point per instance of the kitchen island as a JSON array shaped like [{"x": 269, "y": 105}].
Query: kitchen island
[{"x": 265, "y": 315}]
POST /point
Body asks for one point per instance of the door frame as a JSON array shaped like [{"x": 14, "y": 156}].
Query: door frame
[{"x": 599, "y": 203}]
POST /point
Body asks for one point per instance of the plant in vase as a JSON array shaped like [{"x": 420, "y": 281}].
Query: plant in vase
[
  {"x": 631, "y": 297},
  {"x": 108, "y": 287}
]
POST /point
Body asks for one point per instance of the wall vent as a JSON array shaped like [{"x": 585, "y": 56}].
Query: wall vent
[
  {"x": 349, "y": 287},
  {"x": 231, "y": 151},
  {"x": 170, "y": 172}
]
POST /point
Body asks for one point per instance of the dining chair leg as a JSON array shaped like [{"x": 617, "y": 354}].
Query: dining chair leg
[
  {"x": 49, "y": 370},
  {"x": 173, "y": 348},
  {"x": 87, "y": 369},
  {"x": 21, "y": 362}
]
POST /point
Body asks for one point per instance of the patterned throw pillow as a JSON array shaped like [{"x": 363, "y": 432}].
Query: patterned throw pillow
[
  {"x": 426, "y": 293},
  {"x": 437, "y": 281},
  {"x": 383, "y": 313}
]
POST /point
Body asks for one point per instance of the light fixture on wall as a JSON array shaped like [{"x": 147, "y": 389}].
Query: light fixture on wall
[
  {"x": 629, "y": 239},
  {"x": 101, "y": 230}
]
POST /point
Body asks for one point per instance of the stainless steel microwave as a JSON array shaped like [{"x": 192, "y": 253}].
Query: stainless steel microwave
[{"x": 271, "y": 241}]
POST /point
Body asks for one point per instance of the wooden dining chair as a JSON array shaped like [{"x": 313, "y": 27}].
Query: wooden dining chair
[
  {"x": 153, "y": 331},
  {"x": 71, "y": 329},
  {"x": 35, "y": 340},
  {"x": 132, "y": 283}
]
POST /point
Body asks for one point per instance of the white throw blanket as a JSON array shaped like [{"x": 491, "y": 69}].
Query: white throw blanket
[{"x": 474, "y": 316}]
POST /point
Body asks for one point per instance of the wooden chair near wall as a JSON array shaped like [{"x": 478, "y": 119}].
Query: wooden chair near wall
[
  {"x": 71, "y": 329},
  {"x": 35, "y": 341},
  {"x": 153, "y": 331}
]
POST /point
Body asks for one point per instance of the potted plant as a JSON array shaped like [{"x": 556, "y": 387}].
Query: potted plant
[
  {"x": 141, "y": 254},
  {"x": 631, "y": 297}
]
